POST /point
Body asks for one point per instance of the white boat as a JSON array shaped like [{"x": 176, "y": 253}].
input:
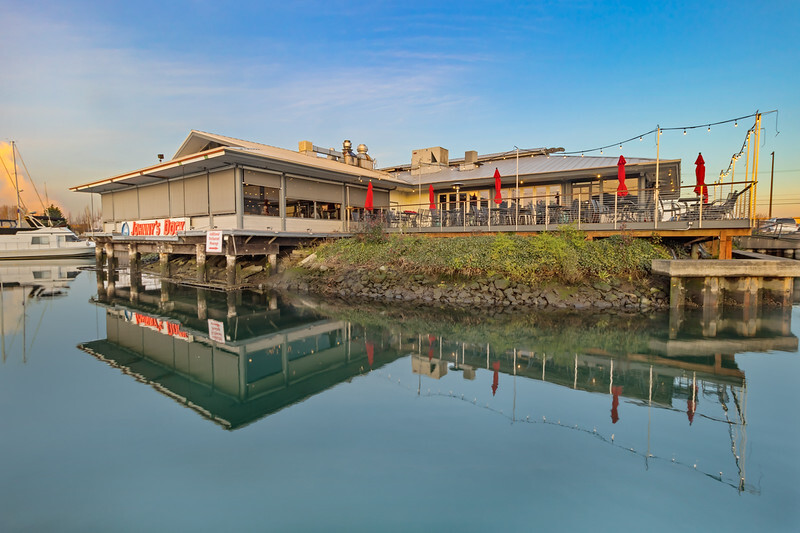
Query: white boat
[
  {"x": 39, "y": 241},
  {"x": 28, "y": 237}
]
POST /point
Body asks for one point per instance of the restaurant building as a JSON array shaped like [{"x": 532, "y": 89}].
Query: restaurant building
[{"x": 218, "y": 182}]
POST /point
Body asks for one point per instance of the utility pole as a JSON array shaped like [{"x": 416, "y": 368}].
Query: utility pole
[{"x": 771, "y": 179}]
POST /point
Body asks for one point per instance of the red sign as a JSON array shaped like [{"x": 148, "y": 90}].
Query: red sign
[{"x": 172, "y": 329}]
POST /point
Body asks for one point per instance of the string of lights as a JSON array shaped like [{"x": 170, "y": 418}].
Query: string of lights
[
  {"x": 685, "y": 129},
  {"x": 736, "y": 483}
]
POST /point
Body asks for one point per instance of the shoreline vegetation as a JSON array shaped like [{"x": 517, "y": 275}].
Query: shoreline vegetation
[{"x": 558, "y": 270}]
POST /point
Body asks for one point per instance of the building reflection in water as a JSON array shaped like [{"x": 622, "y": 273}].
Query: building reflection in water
[{"x": 236, "y": 357}]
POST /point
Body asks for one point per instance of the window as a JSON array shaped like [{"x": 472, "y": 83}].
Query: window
[
  {"x": 260, "y": 200},
  {"x": 40, "y": 240},
  {"x": 312, "y": 209}
]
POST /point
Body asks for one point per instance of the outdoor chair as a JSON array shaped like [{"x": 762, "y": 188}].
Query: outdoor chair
[
  {"x": 671, "y": 210},
  {"x": 392, "y": 220},
  {"x": 724, "y": 210},
  {"x": 435, "y": 218},
  {"x": 600, "y": 212}
]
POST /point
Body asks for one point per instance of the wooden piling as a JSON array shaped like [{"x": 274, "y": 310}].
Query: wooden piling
[{"x": 200, "y": 254}]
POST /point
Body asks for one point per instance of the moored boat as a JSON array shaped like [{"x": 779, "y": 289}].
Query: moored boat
[{"x": 39, "y": 241}]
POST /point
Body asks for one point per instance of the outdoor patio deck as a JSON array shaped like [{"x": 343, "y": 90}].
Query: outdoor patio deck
[{"x": 600, "y": 212}]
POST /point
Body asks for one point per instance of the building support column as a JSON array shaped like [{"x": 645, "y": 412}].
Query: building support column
[
  {"x": 134, "y": 267},
  {"x": 163, "y": 263},
  {"x": 725, "y": 246},
  {"x": 750, "y": 291},
  {"x": 273, "y": 264},
  {"x": 711, "y": 292},
  {"x": 238, "y": 179},
  {"x": 677, "y": 292},
  {"x": 111, "y": 262},
  {"x": 230, "y": 270},
  {"x": 282, "y": 201},
  {"x": 200, "y": 255}
]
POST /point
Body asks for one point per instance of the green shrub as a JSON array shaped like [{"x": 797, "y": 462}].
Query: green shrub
[{"x": 564, "y": 256}]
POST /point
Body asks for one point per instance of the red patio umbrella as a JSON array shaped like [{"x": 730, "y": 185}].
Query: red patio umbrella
[
  {"x": 370, "y": 353},
  {"x": 368, "y": 202},
  {"x": 691, "y": 406},
  {"x": 622, "y": 189},
  {"x": 498, "y": 196},
  {"x": 430, "y": 197},
  {"x": 431, "y": 340},
  {"x": 616, "y": 391},
  {"x": 495, "y": 377},
  {"x": 700, "y": 174}
]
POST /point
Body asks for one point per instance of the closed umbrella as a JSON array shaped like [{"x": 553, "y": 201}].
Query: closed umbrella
[
  {"x": 495, "y": 377},
  {"x": 368, "y": 203},
  {"x": 691, "y": 406},
  {"x": 498, "y": 196},
  {"x": 370, "y": 353},
  {"x": 622, "y": 189},
  {"x": 616, "y": 391},
  {"x": 700, "y": 174},
  {"x": 430, "y": 197}
]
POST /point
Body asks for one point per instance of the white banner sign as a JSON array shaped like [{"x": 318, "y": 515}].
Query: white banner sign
[
  {"x": 216, "y": 331},
  {"x": 214, "y": 242}
]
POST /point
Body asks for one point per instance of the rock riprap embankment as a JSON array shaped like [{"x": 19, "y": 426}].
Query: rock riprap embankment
[{"x": 387, "y": 284}]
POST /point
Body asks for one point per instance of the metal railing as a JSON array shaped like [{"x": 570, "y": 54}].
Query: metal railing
[{"x": 643, "y": 209}]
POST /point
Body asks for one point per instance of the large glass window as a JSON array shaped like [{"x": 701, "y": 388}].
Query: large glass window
[
  {"x": 313, "y": 209},
  {"x": 260, "y": 200}
]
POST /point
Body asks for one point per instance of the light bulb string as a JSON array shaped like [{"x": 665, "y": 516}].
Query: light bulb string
[
  {"x": 737, "y": 155},
  {"x": 671, "y": 128}
]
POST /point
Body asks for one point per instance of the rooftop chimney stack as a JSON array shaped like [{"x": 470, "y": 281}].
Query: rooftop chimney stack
[
  {"x": 470, "y": 160},
  {"x": 427, "y": 160}
]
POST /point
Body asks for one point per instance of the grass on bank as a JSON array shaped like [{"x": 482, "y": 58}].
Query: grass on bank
[{"x": 564, "y": 256}]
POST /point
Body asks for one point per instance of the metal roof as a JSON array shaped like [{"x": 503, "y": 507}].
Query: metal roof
[
  {"x": 228, "y": 152},
  {"x": 537, "y": 168}
]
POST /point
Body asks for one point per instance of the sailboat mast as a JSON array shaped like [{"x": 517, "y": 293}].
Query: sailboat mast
[{"x": 16, "y": 182}]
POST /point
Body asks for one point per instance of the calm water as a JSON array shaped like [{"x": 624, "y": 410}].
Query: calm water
[{"x": 200, "y": 411}]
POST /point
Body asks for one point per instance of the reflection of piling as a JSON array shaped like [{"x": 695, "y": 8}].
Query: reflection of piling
[
  {"x": 111, "y": 261},
  {"x": 202, "y": 305},
  {"x": 231, "y": 300},
  {"x": 134, "y": 267},
  {"x": 200, "y": 255},
  {"x": 230, "y": 270},
  {"x": 166, "y": 303},
  {"x": 101, "y": 271}
]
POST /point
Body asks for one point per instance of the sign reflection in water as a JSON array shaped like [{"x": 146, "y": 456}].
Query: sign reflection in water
[{"x": 236, "y": 357}]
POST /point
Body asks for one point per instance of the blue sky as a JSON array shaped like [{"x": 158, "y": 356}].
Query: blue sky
[{"x": 94, "y": 89}]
